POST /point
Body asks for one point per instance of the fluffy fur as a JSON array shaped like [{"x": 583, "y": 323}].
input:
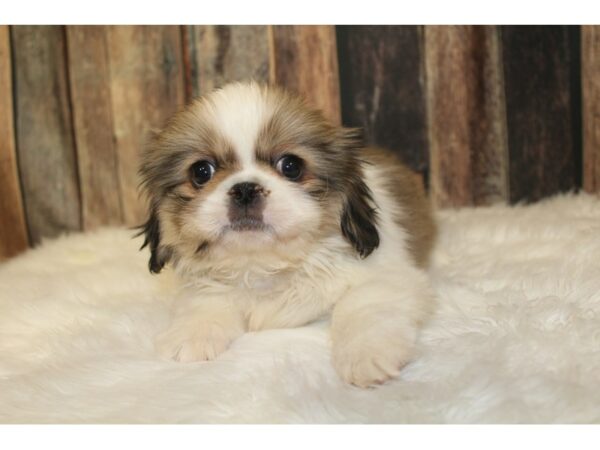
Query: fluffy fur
[
  {"x": 513, "y": 339},
  {"x": 347, "y": 236}
]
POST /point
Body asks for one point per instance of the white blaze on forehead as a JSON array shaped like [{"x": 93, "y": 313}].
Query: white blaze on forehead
[{"x": 239, "y": 112}]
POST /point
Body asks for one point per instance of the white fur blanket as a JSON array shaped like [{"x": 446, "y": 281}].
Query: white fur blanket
[{"x": 516, "y": 336}]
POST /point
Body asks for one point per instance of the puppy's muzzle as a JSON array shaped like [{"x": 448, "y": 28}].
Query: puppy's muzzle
[
  {"x": 246, "y": 194},
  {"x": 246, "y": 206}
]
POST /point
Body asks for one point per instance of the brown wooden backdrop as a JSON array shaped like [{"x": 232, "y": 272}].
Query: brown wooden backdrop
[{"x": 484, "y": 113}]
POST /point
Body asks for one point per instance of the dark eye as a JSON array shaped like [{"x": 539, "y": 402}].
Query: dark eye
[
  {"x": 290, "y": 166},
  {"x": 201, "y": 172}
]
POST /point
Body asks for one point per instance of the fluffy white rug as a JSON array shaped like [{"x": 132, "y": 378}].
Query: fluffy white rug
[{"x": 516, "y": 336}]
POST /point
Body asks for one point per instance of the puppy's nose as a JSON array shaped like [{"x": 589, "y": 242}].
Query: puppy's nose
[{"x": 244, "y": 194}]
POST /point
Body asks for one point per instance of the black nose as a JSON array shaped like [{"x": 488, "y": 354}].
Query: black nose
[{"x": 244, "y": 194}]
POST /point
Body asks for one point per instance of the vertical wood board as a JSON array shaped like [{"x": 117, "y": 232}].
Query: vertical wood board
[
  {"x": 147, "y": 87},
  {"x": 590, "y": 74},
  {"x": 304, "y": 59},
  {"x": 467, "y": 129},
  {"x": 382, "y": 88},
  {"x": 217, "y": 54},
  {"x": 539, "y": 108},
  {"x": 45, "y": 145},
  {"x": 92, "y": 113},
  {"x": 13, "y": 229}
]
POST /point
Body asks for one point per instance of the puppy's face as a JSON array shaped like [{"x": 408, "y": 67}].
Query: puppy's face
[{"x": 252, "y": 169}]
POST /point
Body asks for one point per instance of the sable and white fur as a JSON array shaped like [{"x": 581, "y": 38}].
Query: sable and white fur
[{"x": 350, "y": 237}]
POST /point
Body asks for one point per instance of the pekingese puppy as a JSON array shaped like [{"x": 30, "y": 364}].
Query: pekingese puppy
[{"x": 272, "y": 217}]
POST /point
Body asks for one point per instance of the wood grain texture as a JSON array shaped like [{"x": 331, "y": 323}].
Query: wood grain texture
[
  {"x": 218, "y": 54},
  {"x": 46, "y": 151},
  {"x": 304, "y": 59},
  {"x": 92, "y": 113},
  {"x": 590, "y": 73},
  {"x": 382, "y": 86},
  {"x": 539, "y": 99},
  {"x": 467, "y": 130},
  {"x": 13, "y": 229},
  {"x": 146, "y": 87}
]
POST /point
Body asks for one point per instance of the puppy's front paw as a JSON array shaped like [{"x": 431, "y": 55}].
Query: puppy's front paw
[
  {"x": 188, "y": 341},
  {"x": 371, "y": 358}
]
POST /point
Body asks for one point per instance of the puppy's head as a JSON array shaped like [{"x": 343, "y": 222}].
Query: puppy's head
[{"x": 251, "y": 169}]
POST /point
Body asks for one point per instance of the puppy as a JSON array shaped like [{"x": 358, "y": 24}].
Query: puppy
[{"x": 272, "y": 217}]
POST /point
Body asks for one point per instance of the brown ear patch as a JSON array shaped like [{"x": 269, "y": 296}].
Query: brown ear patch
[
  {"x": 159, "y": 256},
  {"x": 359, "y": 219}
]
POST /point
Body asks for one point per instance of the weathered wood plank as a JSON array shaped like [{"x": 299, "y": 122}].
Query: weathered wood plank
[
  {"x": 467, "y": 130},
  {"x": 538, "y": 86},
  {"x": 304, "y": 58},
  {"x": 92, "y": 113},
  {"x": 13, "y": 230},
  {"x": 147, "y": 86},
  {"x": 382, "y": 86},
  {"x": 590, "y": 72},
  {"x": 46, "y": 151},
  {"x": 218, "y": 54}
]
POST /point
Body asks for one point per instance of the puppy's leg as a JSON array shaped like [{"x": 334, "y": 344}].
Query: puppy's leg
[
  {"x": 374, "y": 326},
  {"x": 201, "y": 329}
]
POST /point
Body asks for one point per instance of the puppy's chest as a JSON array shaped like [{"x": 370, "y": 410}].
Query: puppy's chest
[
  {"x": 281, "y": 287},
  {"x": 288, "y": 299}
]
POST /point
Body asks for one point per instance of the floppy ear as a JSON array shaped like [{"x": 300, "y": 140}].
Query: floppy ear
[
  {"x": 359, "y": 218},
  {"x": 151, "y": 230}
]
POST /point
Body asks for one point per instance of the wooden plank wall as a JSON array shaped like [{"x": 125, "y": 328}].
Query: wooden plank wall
[
  {"x": 89, "y": 74},
  {"x": 305, "y": 59},
  {"x": 540, "y": 110},
  {"x": 217, "y": 54},
  {"x": 44, "y": 131},
  {"x": 467, "y": 121},
  {"x": 590, "y": 68},
  {"x": 13, "y": 229},
  {"x": 382, "y": 81},
  {"x": 483, "y": 114}
]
